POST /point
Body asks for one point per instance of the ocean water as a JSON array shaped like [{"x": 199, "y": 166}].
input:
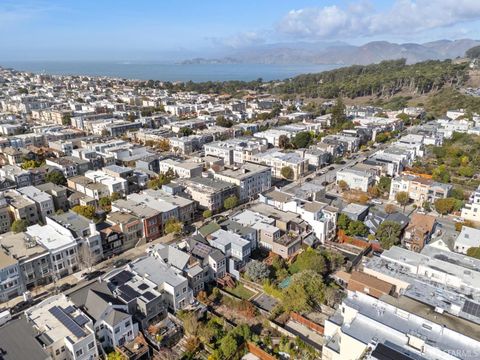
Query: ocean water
[{"x": 169, "y": 72}]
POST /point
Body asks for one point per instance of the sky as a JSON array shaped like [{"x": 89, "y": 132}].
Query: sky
[{"x": 178, "y": 29}]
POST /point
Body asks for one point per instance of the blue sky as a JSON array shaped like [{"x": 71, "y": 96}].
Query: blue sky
[{"x": 172, "y": 29}]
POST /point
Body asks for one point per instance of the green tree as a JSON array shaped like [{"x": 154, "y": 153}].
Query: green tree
[
  {"x": 223, "y": 122},
  {"x": 466, "y": 171},
  {"x": 382, "y": 137},
  {"x": 302, "y": 139},
  {"x": 30, "y": 164},
  {"x": 384, "y": 184},
  {"x": 19, "y": 226},
  {"x": 310, "y": 259},
  {"x": 55, "y": 177},
  {"x": 105, "y": 203},
  {"x": 207, "y": 213},
  {"x": 441, "y": 174},
  {"x": 173, "y": 226},
  {"x": 115, "y": 196},
  {"x": 66, "y": 119},
  {"x": 402, "y": 198},
  {"x": 87, "y": 211},
  {"x": 457, "y": 193},
  {"x": 447, "y": 205},
  {"x": 338, "y": 113},
  {"x": 287, "y": 172},
  {"x": 388, "y": 234},
  {"x": 343, "y": 185},
  {"x": 357, "y": 228},
  {"x": 257, "y": 270},
  {"x": 230, "y": 202},
  {"x": 283, "y": 142},
  {"x": 185, "y": 131},
  {"x": 306, "y": 292},
  {"x": 343, "y": 222},
  {"x": 228, "y": 346},
  {"x": 115, "y": 355},
  {"x": 474, "y": 252}
]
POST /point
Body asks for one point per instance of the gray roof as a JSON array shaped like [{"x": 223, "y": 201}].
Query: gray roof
[
  {"x": 98, "y": 301},
  {"x": 17, "y": 342},
  {"x": 157, "y": 271},
  {"x": 172, "y": 255},
  {"x": 72, "y": 221}
]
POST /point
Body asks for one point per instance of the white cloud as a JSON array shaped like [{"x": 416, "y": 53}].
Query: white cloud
[
  {"x": 240, "y": 40},
  {"x": 363, "y": 20}
]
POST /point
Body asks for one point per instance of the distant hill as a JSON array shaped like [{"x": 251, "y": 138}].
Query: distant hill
[{"x": 342, "y": 53}]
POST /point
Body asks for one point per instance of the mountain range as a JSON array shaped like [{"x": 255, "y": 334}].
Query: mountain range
[{"x": 341, "y": 53}]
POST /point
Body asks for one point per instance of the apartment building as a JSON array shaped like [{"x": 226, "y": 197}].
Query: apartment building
[
  {"x": 69, "y": 165},
  {"x": 151, "y": 218},
  {"x": 355, "y": 179},
  {"x": 208, "y": 193},
  {"x": 124, "y": 232},
  {"x": 11, "y": 284},
  {"x": 278, "y": 160},
  {"x": 419, "y": 189},
  {"x": 5, "y": 219},
  {"x": 471, "y": 210},
  {"x": 365, "y": 325},
  {"x": 237, "y": 150},
  {"x": 182, "y": 169},
  {"x": 42, "y": 200},
  {"x": 58, "y": 194},
  {"x": 21, "y": 207},
  {"x": 250, "y": 178},
  {"x": 64, "y": 330}
]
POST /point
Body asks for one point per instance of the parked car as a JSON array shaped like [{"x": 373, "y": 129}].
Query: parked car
[
  {"x": 65, "y": 287},
  {"x": 120, "y": 262},
  {"x": 93, "y": 274},
  {"x": 376, "y": 202},
  {"x": 331, "y": 168},
  {"x": 458, "y": 219}
]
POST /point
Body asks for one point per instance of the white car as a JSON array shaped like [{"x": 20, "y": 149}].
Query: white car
[
  {"x": 377, "y": 202},
  {"x": 458, "y": 219}
]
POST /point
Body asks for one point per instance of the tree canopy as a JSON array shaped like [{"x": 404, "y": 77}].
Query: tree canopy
[
  {"x": 87, "y": 211},
  {"x": 19, "y": 226},
  {"x": 287, "y": 172},
  {"x": 230, "y": 202},
  {"x": 55, "y": 177},
  {"x": 388, "y": 234},
  {"x": 257, "y": 270}
]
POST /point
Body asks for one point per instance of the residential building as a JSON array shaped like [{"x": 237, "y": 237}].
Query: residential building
[
  {"x": 21, "y": 207},
  {"x": 42, "y": 200},
  {"x": 468, "y": 238},
  {"x": 64, "y": 331},
  {"x": 365, "y": 325},
  {"x": 5, "y": 219},
  {"x": 182, "y": 169},
  {"x": 69, "y": 165},
  {"x": 471, "y": 210},
  {"x": 124, "y": 232},
  {"x": 251, "y": 179},
  {"x": 237, "y": 150},
  {"x": 419, "y": 189},
  {"x": 419, "y": 231},
  {"x": 278, "y": 160},
  {"x": 11, "y": 284},
  {"x": 58, "y": 194},
  {"x": 355, "y": 179},
  {"x": 209, "y": 193}
]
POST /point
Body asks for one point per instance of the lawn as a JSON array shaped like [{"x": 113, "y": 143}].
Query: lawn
[{"x": 241, "y": 291}]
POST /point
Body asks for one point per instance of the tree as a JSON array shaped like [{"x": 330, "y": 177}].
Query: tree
[
  {"x": 228, "y": 346},
  {"x": 447, "y": 205},
  {"x": 338, "y": 113},
  {"x": 257, "y": 270},
  {"x": 426, "y": 206},
  {"x": 185, "y": 131},
  {"x": 287, "y": 172},
  {"x": 283, "y": 141},
  {"x": 441, "y": 174},
  {"x": 19, "y": 226},
  {"x": 343, "y": 222},
  {"x": 190, "y": 322},
  {"x": 115, "y": 196},
  {"x": 384, "y": 184},
  {"x": 342, "y": 184},
  {"x": 466, "y": 171},
  {"x": 207, "y": 213},
  {"x": 382, "y": 137},
  {"x": 310, "y": 259},
  {"x": 115, "y": 355},
  {"x": 388, "y": 234},
  {"x": 221, "y": 121},
  {"x": 302, "y": 139},
  {"x": 66, "y": 119},
  {"x": 373, "y": 191},
  {"x": 390, "y": 208},
  {"x": 230, "y": 202},
  {"x": 173, "y": 226},
  {"x": 402, "y": 198},
  {"x": 55, "y": 177},
  {"x": 87, "y": 211},
  {"x": 164, "y": 145},
  {"x": 474, "y": 252},
  {"x": 30, "y": 164},
  {"x": 357, "y": 228},
  {"x": 457, "y": 193},
  {"x": 105, "y": 203},
  {"x": 306, "y": 292}
]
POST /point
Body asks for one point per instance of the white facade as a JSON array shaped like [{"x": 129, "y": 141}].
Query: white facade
[{"x": 357, "y": 180}]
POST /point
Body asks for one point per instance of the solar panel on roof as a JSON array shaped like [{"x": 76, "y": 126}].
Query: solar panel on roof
[
  {"x": 148, "y": 295},
  {"x": 81, "y": 320},
  {"x": 128, "y": 292},
  {"x": 69, "y": 309},
  {"x": 471, "y": 308},
  {"x": 67, "y": 321},
  {"x": 143, "y": 286}
]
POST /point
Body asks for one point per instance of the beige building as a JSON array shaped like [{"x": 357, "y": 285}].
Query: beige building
[{"x": 21, "y": 207}]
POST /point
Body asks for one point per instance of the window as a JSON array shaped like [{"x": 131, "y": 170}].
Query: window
[
  {"x": 57, "y": 352},
  {"x": 91, "y": 345},
  {"x": 117, "y": 330},
  {"x": 79, "y": 352},
  {"x": 127, "y": 323}
]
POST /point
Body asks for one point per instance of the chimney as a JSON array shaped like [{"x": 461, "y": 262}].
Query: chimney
[{"x": 93, "y": 228}]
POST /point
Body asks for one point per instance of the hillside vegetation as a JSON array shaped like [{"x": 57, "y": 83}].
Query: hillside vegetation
[{"x": 381, "y": 80}]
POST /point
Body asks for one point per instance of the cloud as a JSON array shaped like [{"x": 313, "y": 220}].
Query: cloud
[
  {"x": 363, "y": 20},
  {"x": 241, "y": 40}
]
